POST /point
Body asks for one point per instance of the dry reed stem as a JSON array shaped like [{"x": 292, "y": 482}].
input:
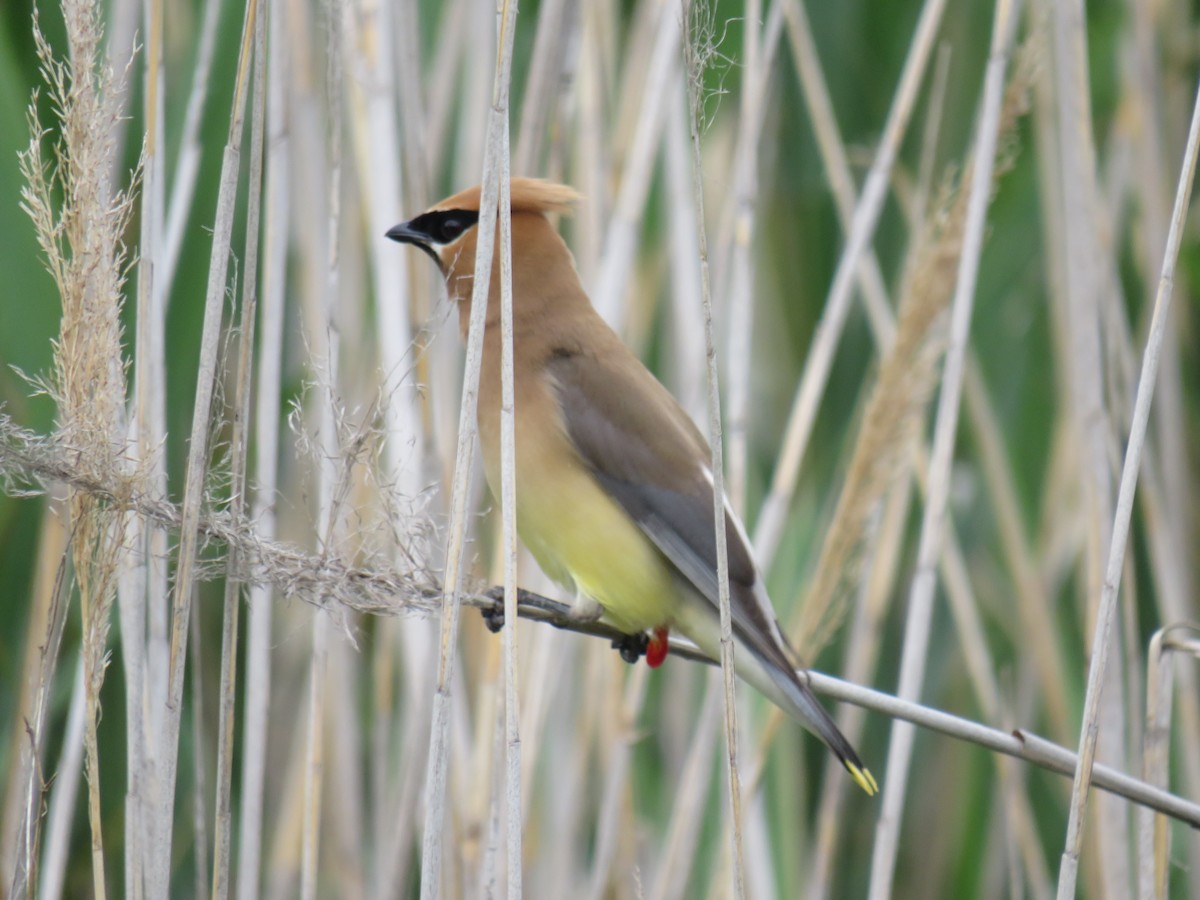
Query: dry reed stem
[
  {"x": 929, "y": 281},
  {"x": 1124, "y": 510},
  {"x": 435, "y": 781},
  {"x": 53, "y": 867},
  {"x": 734, "y": 267},
  {"x": 334, "y": 464},
  {"x": 506, "y": 23},
  {"x": 697, "y": 46},
  {"x": 159, "y": 863},
  {"x": 188, "y": 158},
  {"x": 1087, "y": 283},
  {"x": 678, "y": 849},
  {"x": 879, "y": 567},
  {"x": 1174, "y": 578},
  {"x": 739, "y": 305},
  {"x": 1154, "y": 835},
  {"x": 266, "y": 418},
  {"x": 819, "y": 359},
  {"x": 834, "y": 158},
  {"x": 29, "y": 784},
  {"x": 891, "y": 422},
  {"x": 550, "y": 46},
  {"x": 920, "y": 608},
  {"x": 606, "y": 871},
  {"x": 620, "y": 242},
  {"x": 239, "y": 456},
  {"x": 868, "y": 471},
  {"x": 199, "y": 783},
  {"x": 142, "y": 592}
]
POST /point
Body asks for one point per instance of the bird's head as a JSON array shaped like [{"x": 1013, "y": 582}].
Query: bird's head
[{"x": 447, "y": 231}]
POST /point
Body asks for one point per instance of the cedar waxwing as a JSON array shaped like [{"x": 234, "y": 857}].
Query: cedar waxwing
[{"x": 614, "y": 485}]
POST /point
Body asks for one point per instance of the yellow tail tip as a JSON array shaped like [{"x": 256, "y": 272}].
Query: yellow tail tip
[{"x": 863, "y": 779}]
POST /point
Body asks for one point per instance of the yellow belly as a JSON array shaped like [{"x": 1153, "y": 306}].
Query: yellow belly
[
  {"x": 584, "y": 540},
  {"x": 577, "y": 532}
]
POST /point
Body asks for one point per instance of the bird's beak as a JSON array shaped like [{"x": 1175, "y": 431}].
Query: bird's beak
[{"x": 404, "y": 233}]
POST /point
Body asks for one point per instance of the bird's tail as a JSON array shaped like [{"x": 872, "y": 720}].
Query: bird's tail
[
  {"x": 764, "y": 663},
  {"x": 804, "y": 706}
]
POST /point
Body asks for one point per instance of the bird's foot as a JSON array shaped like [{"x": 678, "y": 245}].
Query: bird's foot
[
  {"x": 653, "y": 646},
  {"x": 632, "y": 647},
  {"x": 493, "y": 616}
]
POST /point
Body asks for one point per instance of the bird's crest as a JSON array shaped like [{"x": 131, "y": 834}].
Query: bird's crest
[{"x": 531, "y": 195}]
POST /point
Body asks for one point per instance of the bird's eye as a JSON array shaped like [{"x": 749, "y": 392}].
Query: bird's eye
[
  {"x": 449, "y": 225},
  {"x": 450, "y": 229}
]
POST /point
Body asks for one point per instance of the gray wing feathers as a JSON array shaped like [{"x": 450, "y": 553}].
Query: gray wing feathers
[{"x": 652, "y": 460}]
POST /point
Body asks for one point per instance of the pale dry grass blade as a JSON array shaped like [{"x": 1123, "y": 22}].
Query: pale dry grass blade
[
  {"x": 620, "y": 242},
  {"x": 187, "y": 162},
  {"x": 266, "y": 440},
  {"x": 25, "y": 783},
  {"x": 1086, "y": 285},
  {"x": 697, "y": 45},
  {"x": 920, "y": 608},
  {"x": 506, "y": 23},
  {"x": 687, "y": 331},
  {"x": 550, "y": 46},
  {"x": 1124, "y": 509},
  {"x": 334, "y": 462},
  {"x": 162, "y": 810},
  {"x": 1170, "y": 517},
  {"x": 1144, "y": 84},
  {"x": 143, "y": 589},
  {"x": 879, "y": 567},
  {"x": 739, "y": 307},
  {"x": 836, "y": 165},
  {"x": 418, "y": 390},
  {"x": 1165, "y": 559},
  {"x": 239, "y": 456},
  {"x": 863, "y": 646},
  {"x": 435, "y": 782},
  {"x": 388, "y": 131},
  {"x": 314, "y": 757},
  {"x": 200, "y": 758},
  {"x": 606, "y": 872},
  {"x": 53, "y": 867},
  {"x": 678, "y": 851},
  {"x": 1032, "y": 598},
  {"x": 1154, "y": 835},
  {"x": 819, "y": 359}
]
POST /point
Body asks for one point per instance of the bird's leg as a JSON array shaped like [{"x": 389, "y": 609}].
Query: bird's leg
[{"x": 586, "y": 609}]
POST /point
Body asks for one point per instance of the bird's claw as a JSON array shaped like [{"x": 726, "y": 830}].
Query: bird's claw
[
  {"x": 493, "y": 616},
  {"x": 632, "y": 647}
]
